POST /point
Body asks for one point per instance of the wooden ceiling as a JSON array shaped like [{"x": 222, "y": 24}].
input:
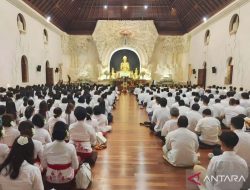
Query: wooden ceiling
[{"x": 173, "y": 17}]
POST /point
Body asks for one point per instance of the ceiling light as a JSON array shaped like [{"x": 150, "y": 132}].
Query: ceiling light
[
  {"x": 145, "y": 7},
  {"x": 205, "y": 19},
  {"x": 125, "y": 7},
  {"x": 105, "y": 6},
  {"x": 48, "y": 19}
]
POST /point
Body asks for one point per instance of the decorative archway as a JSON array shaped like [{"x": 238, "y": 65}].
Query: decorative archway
[
  {"x": 132, "y": 55},
  {"x": 24, "y": 69}
]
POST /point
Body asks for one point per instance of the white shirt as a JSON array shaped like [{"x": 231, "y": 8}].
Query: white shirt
[
  {"x": 52, "y": 121},
  {"x": 160, "y": 116},
  {"x": 210, "y": 129},
  {"x": 169, "y": 126},
  {"x": 227, "y": 164},
  {"x": 29, "y": 179},
  {"x": 242, "y": 148},
  {"x": 102, "y": 122},
  {"x": 60, "y": 153},
  {"x": 4, "y": 151},
  {"x": 42, "y": 135},
  {"x": 38, "y": 149},
  {"x": 69, "y": 118},
  {"x": 230, "y": 112},
  {"x": 193, "y": 118},
  {"x": 218, "y": 109},
  {"x": 83, "y": 133},
  {"x": 245, "y": 103},
  {"x": 183, "y": 110},
  {"x": 10, "y": 136},
  {"x": 181, "y": 147}
]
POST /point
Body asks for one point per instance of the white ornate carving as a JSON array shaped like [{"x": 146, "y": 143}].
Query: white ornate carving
[{"x": 138, "y": 35}]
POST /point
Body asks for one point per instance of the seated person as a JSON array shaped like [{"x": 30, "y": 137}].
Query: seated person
[
  {"x": 101, "y": 119},
  {"x": 171, "y": 124},
  {"x": 228, "y": 164},
  {"x": 4, "y": 149},
  {"x": 181, "y": 145},
  {"x": 160, "y": 116},
  {"x": 209, "y": 129},
  {"x": 17, "y": 171},
  {"x": 242, "y": 147},
  {"x": 193, "y": 117},
  {"x": 41, "y": 134},
  {"x": 26, "y": 128},
  {"x": 10, "y": 132},
  {"x": 57, "y": 117},
  {"x": 81, "y": 135},
  {"x": 60, "y": 159}
]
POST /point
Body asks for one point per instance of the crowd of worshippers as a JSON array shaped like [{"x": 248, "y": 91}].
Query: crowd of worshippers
[
  {"x": 189, "y": 118},
  {"x": 50, "y": 131}
]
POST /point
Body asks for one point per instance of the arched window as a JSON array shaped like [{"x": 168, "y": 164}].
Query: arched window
[
  {"x": 45, "y": 36},
  {"x": 229, "y": 74},
  {"x": 207, "y": 37},
  {"x": 234, "y": 24},
  {"x": 21, "y": 23},
  {"x": 24, "y": 69}
]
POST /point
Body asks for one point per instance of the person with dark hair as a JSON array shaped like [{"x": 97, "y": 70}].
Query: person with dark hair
[
  {"x": 228, "y": 164},
  {"x": 208, "y": 128},
  {"x": 90, "y": 120},
  {"x": 183, "y": 109},
  {"x": 4, "y": 149},
  {"x": 81, "y": 135},
  {"x": 60, "y": 159},
  {"x": 181, "y": 145},
  {"x": 57, "y": 117},
  {"x": 11, "y": 109},
  {"x": 229, "y": 112},
  {"x": 29, "y": 112},
  {"x": 26, "y": 128},
  {"x": 171, "y": 124},
  {"x": 194, "y": 117},
  {"x": 101, "y": 119},
  {"x": 18, "y": 165},
  {"x": 64, "y": 103},
  {"x": 68, "y": 115},
  {"x": 43, "y": 110},
  {"x": 240, "y": 109},
  {"x": 41, "y": 134},
  {"x": 218, "y": 109},
  {"x": 245, "y": 102},
  {"x": 177, "y": 99},
  {"x": 242, "y": 147},
  {"x": 10, "y": 132},
  {"x": 160, "y": 116}
]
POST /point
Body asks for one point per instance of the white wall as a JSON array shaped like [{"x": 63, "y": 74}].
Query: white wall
[
  {"x": 222, "y": 46},
  {"x": 13, "y": 46}
]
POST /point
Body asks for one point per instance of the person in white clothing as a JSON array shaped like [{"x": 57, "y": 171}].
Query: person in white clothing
[
  {"x": 183, "y": 109},
  {"x": 218, "y": 109},
  {"x": 68, "y": 115},
  {"x": 102, "y": 120},
  {"x": 28, "y": 114},
  {"x": 209, "y": 129},
  {"x": 11, "y": 133},
  {"x": 229, "y": 112},
  {"x": 194, "y": 117},
  {"x": 160, "y": 116},
  {"x": 242, "y": 147},
  {"x": 171, "y": 124},
  {"x": 57, "y": 117},
  {"x": 26, "y": 128},
  {"x": 81, "y": 135},
  {"x": 41, "y": 134},
  {"x": 60, "y": 159},
  {"x": 4, "y": 149},
  {"x": 17, "y": 171},
  {"x": 181, "y": 145},
  {"x": 226, "y": 166}
]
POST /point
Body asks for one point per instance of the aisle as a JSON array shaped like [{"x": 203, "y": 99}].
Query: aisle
[{"x": 133, "y": 159}]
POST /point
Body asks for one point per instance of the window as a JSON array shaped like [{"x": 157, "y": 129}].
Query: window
[
  {"x": 45, "y": 36},
  {"x": 229, "y": 74},
  {"x": 21, "y": 24},
  {"x": 24, "y": 69},
  {"x": 234, "y": 24},
  {"x": 207, "y": 37}
]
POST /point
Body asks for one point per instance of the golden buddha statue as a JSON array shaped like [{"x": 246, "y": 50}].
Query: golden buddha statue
[{"x": 125, "y": 64}]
